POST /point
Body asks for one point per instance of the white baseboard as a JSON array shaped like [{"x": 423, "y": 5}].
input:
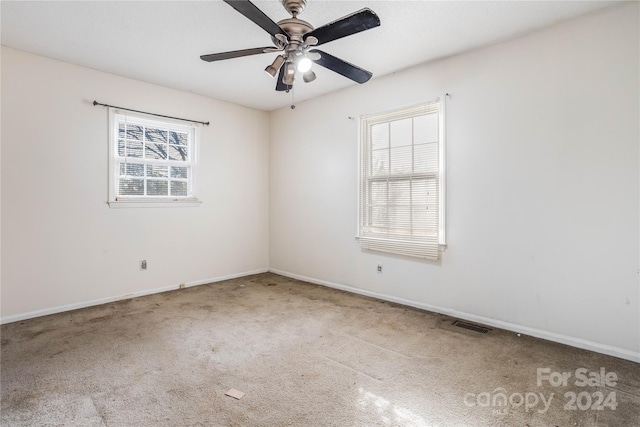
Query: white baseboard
[
  {"x": 69, "y": 307},
  {"x": 550, "y": 336}
]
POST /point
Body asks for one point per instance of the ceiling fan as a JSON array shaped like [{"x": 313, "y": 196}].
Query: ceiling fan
[{"x": 295, "y": 39}]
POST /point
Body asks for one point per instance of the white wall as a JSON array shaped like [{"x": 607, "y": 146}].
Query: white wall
[
  {"x": 543, "y": 180},
  {"x": 63, "y": 246}
]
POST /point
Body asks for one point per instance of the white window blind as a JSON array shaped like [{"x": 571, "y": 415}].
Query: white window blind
[
  {"x": 401, "y": 181},
  {"x": 151, "y": 160}
]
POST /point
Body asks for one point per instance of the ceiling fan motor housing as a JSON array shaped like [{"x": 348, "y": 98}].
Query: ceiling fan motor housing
[{"x": 296, "y": 28}]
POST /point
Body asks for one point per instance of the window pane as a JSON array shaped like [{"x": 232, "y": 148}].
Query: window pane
[
  {"x": 425, "y": 158},
  {"x": 419, "y": 191},
  {"x": 178, "y": 138},
  {"x": 134, "y": 132},
  {"x": 178, "y": 188},
  {"x": 131, "y": 187},
  {"x": 121, "y": 130},
  {"x": 157, "y": 188},
  {"x": 425, "y": 129},
  {"x": 424, "y": 191},
  {"x": 134, "y": 149},
  {"x": 379, "y": 193},
  {"x": 156, "y": 151},
  {"x": 400, "y": 217},
  {"x": 157, "y": 171},
  {"x": 425, "y": 218},
  {"x": 177, "y": 152},
  {"x": 399, "y": 192},
  {"x": 425, "y": 205},
  {"x": 179, "y": 172},
  {"x": 380, "y": 136},
  {"x": 379, "y": 217},
  {"x": 401, "y": 160},
  {"x": 155, "y": 135},
  {"x": 131, "y": 169},
  {"x": 380, "y": 162},
  {"x": 129, "y": 148},
  {"x": 401, "y": 133}
]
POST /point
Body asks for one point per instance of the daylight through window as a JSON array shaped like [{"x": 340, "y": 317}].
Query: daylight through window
[
  {"x": 401, "y": 181},
  {"x": 151, "y": 160}
]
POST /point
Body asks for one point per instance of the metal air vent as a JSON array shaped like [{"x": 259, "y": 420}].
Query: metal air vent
[{"x": 471, "y": 327}]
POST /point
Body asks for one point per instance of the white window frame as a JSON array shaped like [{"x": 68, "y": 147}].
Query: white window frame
[
  {"x": 412, "y": 246},
  {"x": 117, "y": 201}
]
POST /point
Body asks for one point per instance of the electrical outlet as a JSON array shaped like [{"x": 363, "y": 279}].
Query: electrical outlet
[
  {"x": 143, "y": 264},
  {"x": 181, "y": 286},
  {"x": 379, "y": 268}
]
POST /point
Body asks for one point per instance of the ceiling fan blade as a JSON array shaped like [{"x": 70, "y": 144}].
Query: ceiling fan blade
[
  {"x": 280, "y": 86},
  {"x": 234, "y": 54},
  {"x": 361, "y": 20},
  {"x": 252, "y": 12},
  {"x": 341, "y": 67}
]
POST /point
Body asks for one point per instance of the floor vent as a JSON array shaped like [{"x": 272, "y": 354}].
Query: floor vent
[{"x": 471, "y": 327}]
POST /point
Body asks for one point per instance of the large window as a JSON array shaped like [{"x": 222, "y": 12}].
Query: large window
[
  {"x": 402, "y": 181},
  {"x": 152, "y": 162}
]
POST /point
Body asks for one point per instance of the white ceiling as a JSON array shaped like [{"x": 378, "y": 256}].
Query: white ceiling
[{"x": 161, "y": 41}]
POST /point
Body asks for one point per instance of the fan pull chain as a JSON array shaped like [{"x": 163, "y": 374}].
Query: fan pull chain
[{"x": 293, "y": 105}]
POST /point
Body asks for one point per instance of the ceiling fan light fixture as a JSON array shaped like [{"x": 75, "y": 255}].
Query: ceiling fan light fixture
[
  {"x": 310, "y": 41},
  {"x": 304, "y": 64},
  {"x": 294, "y": 37},
  {"x": 273, "y": 69},
  {"x": 309, "y": 76}
]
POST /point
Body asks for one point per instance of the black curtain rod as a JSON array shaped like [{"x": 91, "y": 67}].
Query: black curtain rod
[{"x": 152, "y": 114}]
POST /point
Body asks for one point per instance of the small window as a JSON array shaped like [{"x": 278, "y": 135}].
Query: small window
[
  {"x": 152, "y": 162},
  {"x": 401, "y": 207}
]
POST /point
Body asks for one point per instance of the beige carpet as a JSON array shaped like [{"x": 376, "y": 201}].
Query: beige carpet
[{"x": 304, "y": 355}]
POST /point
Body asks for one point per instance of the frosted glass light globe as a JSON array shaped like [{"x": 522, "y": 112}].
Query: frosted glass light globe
[{"x": 304, "y": 65}]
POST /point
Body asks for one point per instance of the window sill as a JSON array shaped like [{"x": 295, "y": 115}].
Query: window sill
[{"x": 154, "y": 203}]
